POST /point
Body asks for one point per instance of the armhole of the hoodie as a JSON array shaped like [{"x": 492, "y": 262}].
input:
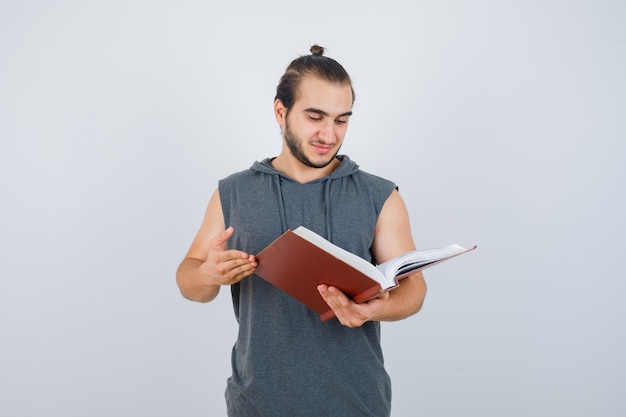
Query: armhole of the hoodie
[{"x": 224, "y": 201}]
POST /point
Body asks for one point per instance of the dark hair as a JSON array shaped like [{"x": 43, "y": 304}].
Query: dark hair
[{"x": 316, "y": 65}]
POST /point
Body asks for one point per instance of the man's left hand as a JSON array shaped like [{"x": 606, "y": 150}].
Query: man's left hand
[{"x": 349, "y": 313}]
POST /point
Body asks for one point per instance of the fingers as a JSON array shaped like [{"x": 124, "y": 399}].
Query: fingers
[
  {"x": 349, "y": 313},
  {"x": 229, "y": 267}
]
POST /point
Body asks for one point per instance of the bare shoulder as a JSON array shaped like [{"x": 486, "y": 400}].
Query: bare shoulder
[{"x": 393, "y": 229}]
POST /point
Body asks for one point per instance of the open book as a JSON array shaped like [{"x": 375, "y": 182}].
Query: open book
[{"x": 299, "y": 260}]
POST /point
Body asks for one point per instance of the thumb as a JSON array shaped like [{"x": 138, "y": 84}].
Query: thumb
[{"x": 219, "y": 241}]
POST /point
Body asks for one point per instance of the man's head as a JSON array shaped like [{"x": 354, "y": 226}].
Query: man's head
[
  {"x": 312, "y": 106},
  {"x": 315, "y": 65}
]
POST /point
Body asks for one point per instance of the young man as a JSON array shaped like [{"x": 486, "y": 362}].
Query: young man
[{"x": 286, "y": 362}]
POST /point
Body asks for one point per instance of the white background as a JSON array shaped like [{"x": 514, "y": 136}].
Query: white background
[{"x": 503, "y": 123}]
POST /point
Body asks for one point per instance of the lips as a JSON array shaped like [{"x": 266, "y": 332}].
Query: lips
[{"x": 323, "y": 149}]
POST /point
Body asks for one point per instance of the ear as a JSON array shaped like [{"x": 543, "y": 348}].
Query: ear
[{"x": 280, "y": 112}]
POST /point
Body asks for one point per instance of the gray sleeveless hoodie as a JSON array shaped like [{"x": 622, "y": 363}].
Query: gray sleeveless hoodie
[{"x": 286, "y": 362}]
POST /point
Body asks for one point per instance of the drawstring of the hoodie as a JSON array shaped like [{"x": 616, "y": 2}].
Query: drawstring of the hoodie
[
  {"x": 327, "y": 207},
  {"x": 281, "y": 205}
]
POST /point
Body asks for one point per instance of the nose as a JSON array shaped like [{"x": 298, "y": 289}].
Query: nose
[{"x": 327, "y": 131}]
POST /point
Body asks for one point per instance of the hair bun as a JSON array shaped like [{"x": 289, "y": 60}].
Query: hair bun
[{"x": 317, "y": 50}]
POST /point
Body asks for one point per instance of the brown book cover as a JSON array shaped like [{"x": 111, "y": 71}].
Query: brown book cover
[{"x": 297, "y": 266}]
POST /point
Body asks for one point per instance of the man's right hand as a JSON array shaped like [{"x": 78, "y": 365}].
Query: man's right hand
[{"x": 226, "y": 266}]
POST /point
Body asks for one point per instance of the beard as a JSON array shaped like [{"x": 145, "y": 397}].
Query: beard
[{"x": 295, "y": 147}]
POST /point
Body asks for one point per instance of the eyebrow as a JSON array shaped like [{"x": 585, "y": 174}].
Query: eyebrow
[{"x": 323, "y": 113}]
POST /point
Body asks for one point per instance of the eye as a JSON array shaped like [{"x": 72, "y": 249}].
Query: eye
[
  {"x": 341, "y": 121},
  {"x": 315, "y": 117}
]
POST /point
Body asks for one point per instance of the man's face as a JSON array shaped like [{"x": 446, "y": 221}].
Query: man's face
[{"x": 316, "y": 124}]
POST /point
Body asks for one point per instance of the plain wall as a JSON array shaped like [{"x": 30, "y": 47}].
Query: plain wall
[{"x": 503, "y": 123}]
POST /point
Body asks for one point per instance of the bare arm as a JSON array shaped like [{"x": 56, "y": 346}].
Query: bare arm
[
  {"x": 392, "y": 237},
  {"x": 209, "y": 263}
]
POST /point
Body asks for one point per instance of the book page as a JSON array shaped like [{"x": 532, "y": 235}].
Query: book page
[{"x": 419, "y": 259}]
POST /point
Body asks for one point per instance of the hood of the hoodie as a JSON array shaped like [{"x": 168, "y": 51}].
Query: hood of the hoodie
[{"x": 346, "y": 168}]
